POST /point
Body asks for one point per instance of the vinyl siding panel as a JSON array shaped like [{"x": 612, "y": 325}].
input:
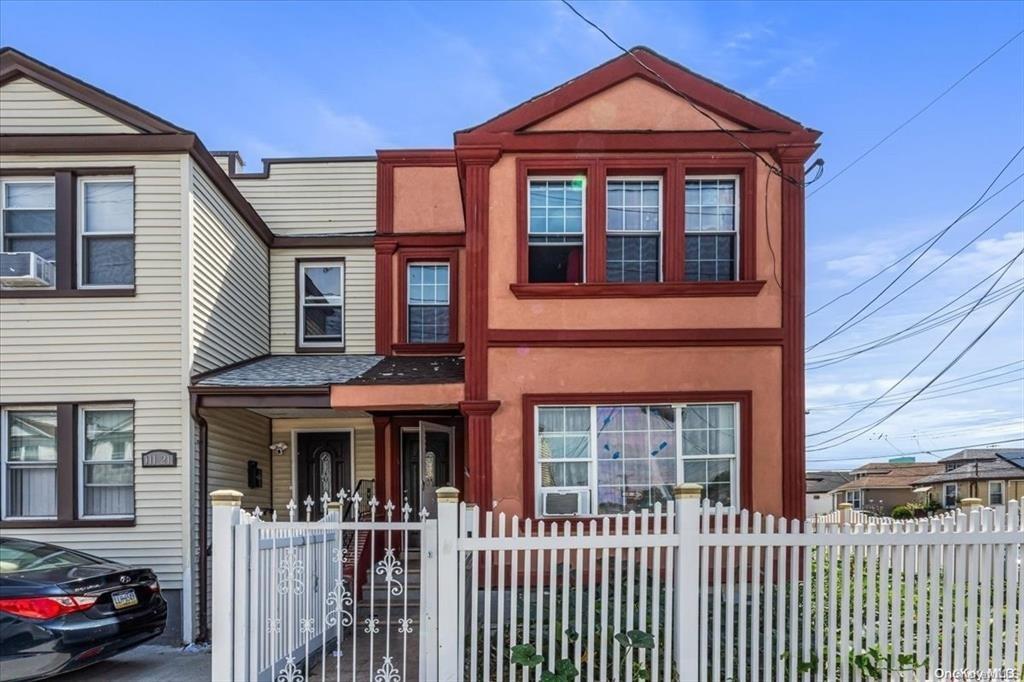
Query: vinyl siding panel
[
  {"x": 282, "y": 432},
  {"x": 359, "y": 297},
  {"x": 117, "y": 349},
  {"x": 28, "y": 108},
  {"x": 230, "y": 312},
  {"x": 336, "y": 197}
]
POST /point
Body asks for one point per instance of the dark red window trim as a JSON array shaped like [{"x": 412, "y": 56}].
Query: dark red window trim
[
  {"x": 405, "y": 258},
  {"x": 67, "y": 470},
  {"x": 673, "y": 170},
  {"x": 65, "y": 182},
  {"x": 532, "y": 400}
]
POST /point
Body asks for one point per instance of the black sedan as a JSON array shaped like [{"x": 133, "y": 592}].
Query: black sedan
[{"x": 61, "y": 609}]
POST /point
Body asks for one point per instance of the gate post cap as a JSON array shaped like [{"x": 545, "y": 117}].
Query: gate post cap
[
  {"x": 226, "y": 498},
  {"x": 970, "y": 502},
  {"x": 333, "y": 506},
  {"x": 843, "y": 506},
  {"x": 447, "y": 494},
  {"x": 687, "y": 490}
]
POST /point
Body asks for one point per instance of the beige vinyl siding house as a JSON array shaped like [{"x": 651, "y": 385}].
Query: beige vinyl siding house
[
  {"x": 30, "y": 108},
  {"x": 309, "y": 197},
  {"x": 359, "y": 296},
  {"x": 125, "y": 349}
]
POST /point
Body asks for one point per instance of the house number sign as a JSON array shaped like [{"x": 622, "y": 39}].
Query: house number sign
[{"x": 159, "y": 458}]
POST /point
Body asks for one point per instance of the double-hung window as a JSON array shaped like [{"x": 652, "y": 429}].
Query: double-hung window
[
  {"x": 106, "y": 232},
  {"x": 555, "y": 230},
  {"x": 608, "y": 459},
  {"x": 30, "y": 463},
  {"x": 321, "y": 304},
  {"x": 854, "y": 498},
  {"x": 633, "y": 226},
  {"x": 995, "y": 493},
  {"x": 429, "y": 296},
  {"x": 712, "y": 228},
  {"x": 28, "y": 219},
  {"x": 106, "y": 462},
  {"x": 950, "y": 495}
]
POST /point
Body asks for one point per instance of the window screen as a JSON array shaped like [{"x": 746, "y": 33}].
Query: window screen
[
  {"x": 633, "y": 229},
  {"x": 106, "y": 230},
  {"x": 28, "y": 221}
]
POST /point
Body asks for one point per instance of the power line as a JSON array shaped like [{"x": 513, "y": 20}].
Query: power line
[
  {"x": 919, "y": 452},
  {"x": 850, "y": 321},
  {"x": 1017, "y": 421},
  {"x": 1005, "y": 269},
  {"x": 907, "y": 122},
  {"x": 824, "y": 444},
  {"x": 908, "y": 254}
]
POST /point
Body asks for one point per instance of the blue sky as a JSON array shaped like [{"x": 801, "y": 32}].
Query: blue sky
[{"x": 296, "y": 79}]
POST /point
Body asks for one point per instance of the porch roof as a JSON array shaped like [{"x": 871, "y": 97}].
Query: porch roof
[{"x": 293, "y": 371}]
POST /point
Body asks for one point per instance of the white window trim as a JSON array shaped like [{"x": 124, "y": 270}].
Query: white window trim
[
  {"x": 80, "y": 235},
  {"x": 736, "y": 217},
  {"x": 3, "y": 208},
  {"x": 583, "y": 215},
  {"x": 4, "y": 430},
  {"x": 303, "y": 343},
  {"x": 642, "y": 233},
  {"x": 592, "y": 459},
  {"x": 1002, "y": 493},
  {"x": 80, "y": 460},
  {"x": 956, "y": 494},
  {"x": 855, "y": 497},
  {"x": 408, "y": 294}
]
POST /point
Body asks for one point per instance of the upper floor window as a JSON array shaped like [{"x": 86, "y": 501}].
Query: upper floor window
[
  {"x": 555, "y": 230},
  {"x": 106, "y": 232},
  {"x": 429, "y": 297},
  {"x": 609, "y": 459},
  {"x": 321, "y": 298},
  {"x": 28, "y": 221},
  {"x": 633, "y": 225},
  {"x": 30, "y": 463},
  {"x": 712, "y": 221}
]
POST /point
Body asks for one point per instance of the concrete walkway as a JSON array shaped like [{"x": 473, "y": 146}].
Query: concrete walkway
[{"x": 148, "y": 663}]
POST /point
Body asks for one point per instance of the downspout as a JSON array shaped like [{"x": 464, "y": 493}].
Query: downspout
[{"x": 202, "y": 633}]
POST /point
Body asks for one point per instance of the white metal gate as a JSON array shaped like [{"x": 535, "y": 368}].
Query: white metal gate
[{"x": 351, "y": 596}]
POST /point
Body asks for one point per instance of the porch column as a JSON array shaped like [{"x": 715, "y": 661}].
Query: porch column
[
  {"x": 381, "y": 472},
  {"x": 478, "y": 450}
]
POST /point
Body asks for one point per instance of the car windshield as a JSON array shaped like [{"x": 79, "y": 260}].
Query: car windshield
[{"x": 20, "y": 556}]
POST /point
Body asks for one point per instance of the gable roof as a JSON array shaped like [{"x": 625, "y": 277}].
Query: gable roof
[
  {"x": 982, "y": 455},
  {"x": 994, "y": 469},
  {"x": 643, "y": 62},
  {"x": 159, "y": 134},
  {"x": 885, "y": 475},
  {"x": 825, "y": 481}
]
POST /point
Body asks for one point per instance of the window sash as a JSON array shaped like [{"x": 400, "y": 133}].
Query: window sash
[
  {"x": 948, "y": 490},
  {"x": 307, "y": 301},
  {"x": 7, "y": 238},
  {"x": 86, "y": 237},
  {"x": 993, "y": 497},
  {"x": 545, "y": 179},
  {"x": 593, "y": 458},
  {"x": 7, "y": 466},
  {"x": 83, "y": 487},
  {"x": 691, "y": 232}
]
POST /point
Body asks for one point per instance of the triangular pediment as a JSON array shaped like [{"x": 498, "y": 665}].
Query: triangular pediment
[
  {"x": 36, "y": 99},
  {"x": 641, "y": 90},
  {"x": 635, "y": 104}
]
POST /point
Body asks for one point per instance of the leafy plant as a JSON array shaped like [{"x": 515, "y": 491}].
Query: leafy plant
[
  {"x": 561, "y": 670},
  {"x": 636, "y": 639}
]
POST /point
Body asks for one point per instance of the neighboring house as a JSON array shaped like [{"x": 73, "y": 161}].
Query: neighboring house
[
  {"x": 820, "y": 490},
  {"x": 993, "y": 476},
  {"x": 571, "y": 310},
  {"x": 878, "y": 486}
]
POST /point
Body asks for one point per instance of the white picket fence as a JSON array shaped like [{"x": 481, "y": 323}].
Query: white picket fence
[{"x": 723, "y": 596}]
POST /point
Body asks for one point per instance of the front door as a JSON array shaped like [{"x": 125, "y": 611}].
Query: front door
[
  {"x": 323, "y": 465},
  {"x": 426, "y": 465}
]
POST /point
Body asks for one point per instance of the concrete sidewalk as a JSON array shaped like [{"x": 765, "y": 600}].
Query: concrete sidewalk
[{"x": 149, "y": 663}]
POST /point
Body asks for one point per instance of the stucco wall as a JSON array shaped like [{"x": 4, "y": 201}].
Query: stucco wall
[{"x": 427, "y": 199}]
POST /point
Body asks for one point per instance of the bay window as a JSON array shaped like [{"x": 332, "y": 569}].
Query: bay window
[
  {"x": 106, "y": 463},
  {"x": 712, "y": 228},
  {"x": 555, "y": 229},
  {"x": 606, "y": 459},
  {"x": 106, "y": 232},
  {"x": 321, "y": 297},
  {"x": 633, "y": 226},
  {"x": 30, "y": 463}
]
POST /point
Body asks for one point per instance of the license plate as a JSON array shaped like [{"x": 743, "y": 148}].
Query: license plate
[{"x": 124, "y": 599}]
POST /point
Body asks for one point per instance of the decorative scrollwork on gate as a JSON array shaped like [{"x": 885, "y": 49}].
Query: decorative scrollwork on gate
[
  {"x": 339, "y": 605},
  {"x": 387, "y": 672},
  {"x": 391, "y": 568},
  {"x": 290, "y": 573},
  {"x": 290, "y": 672}
]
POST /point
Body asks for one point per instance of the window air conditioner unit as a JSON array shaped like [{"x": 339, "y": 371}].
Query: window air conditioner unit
[
  {"x": 25, "y": 269},
  {"x": 565, "y": 502}
]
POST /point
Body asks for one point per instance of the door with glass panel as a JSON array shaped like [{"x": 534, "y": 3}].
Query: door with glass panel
[{"x": 427, "y": 464}]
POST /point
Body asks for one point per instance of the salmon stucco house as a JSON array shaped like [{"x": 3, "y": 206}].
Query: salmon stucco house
[{"x": 586, "y": 299}]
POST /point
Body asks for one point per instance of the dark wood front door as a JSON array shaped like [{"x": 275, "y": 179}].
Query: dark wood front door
[{"x": 323, "y": 464}]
